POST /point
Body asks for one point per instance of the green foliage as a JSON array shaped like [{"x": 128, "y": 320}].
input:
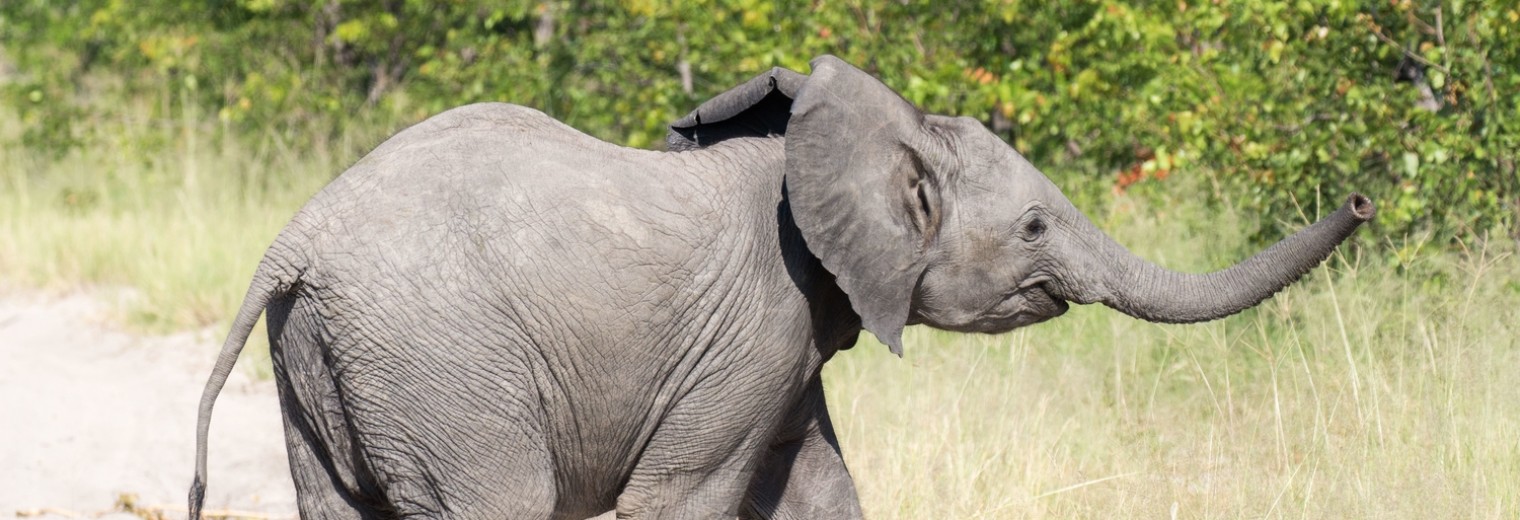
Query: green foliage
[{"x": 1288, "y": 105}]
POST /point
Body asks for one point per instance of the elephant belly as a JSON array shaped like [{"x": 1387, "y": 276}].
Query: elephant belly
[{"x": 490, "y": 399}]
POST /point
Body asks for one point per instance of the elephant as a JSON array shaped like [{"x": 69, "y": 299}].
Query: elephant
[{"x": 493, "y": 315}]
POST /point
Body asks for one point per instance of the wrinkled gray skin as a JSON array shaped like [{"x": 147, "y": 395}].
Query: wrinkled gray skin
[{"x": 493, "y": 315}]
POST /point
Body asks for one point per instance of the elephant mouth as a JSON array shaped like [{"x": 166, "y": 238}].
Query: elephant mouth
[{"x": 1031, "y": 303}]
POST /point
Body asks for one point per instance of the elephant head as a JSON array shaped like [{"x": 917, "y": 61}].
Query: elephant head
[{"x": 934, "y": 220}]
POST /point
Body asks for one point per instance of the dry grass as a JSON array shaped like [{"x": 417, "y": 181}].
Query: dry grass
[{"x": 176, "y": 219}]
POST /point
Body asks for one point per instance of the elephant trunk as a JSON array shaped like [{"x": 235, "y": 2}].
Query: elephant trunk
[{"x": 1144, "y": 290}]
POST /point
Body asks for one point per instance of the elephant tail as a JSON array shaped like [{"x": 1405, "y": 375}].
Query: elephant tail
[{"x": 265, "y": 288}]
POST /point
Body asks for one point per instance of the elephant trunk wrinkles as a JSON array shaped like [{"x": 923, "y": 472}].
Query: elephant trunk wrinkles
[{"x": 1144, "y": 290}]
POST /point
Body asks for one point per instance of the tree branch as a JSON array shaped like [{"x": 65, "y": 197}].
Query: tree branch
[{"x": 1416, "y": 57}]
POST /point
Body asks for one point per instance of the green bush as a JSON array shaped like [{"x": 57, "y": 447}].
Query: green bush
[{"x": 1284, "y": 106}]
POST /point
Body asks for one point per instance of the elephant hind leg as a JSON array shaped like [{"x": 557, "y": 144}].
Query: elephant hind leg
[
  {"x": 329, "y": 482},
  {"x": 319, "y": 491}
]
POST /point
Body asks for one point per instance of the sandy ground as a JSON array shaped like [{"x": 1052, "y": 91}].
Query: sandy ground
[{"x": 88, "y": 413}]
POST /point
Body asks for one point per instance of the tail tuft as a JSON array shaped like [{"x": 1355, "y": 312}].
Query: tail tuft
[{"x": 197, "y": 498}]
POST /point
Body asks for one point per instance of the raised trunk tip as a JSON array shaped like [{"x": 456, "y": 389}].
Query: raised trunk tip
[{"x": 1144, "y": 290}]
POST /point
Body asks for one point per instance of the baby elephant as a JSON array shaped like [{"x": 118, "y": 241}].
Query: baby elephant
[{"x": 493, "y": 315}]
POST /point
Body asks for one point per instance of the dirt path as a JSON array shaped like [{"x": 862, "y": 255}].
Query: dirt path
[{"x": 88, "y": 413}]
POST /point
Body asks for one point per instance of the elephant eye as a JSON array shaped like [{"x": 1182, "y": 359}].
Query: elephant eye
[{"x": 1034, "y": 229}]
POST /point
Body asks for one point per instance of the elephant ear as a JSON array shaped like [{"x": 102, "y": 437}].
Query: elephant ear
[
  {"x": 758, "y": 108},
  {"x": 860, "y": 191}
]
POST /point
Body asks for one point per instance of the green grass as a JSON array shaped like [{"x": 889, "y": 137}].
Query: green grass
[{"x": 1375, "y": 388}]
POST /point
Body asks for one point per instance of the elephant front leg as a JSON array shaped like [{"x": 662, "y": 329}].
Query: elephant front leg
[{"x": 803, "y": 474}]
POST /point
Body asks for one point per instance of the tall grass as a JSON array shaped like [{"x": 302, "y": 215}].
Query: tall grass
[
  {"x": 169, "y": 216},
  {"x": 1375, "y": 388}
]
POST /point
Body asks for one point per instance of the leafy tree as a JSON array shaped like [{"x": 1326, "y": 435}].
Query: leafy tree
[{"x": 1277, "y": 103}]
